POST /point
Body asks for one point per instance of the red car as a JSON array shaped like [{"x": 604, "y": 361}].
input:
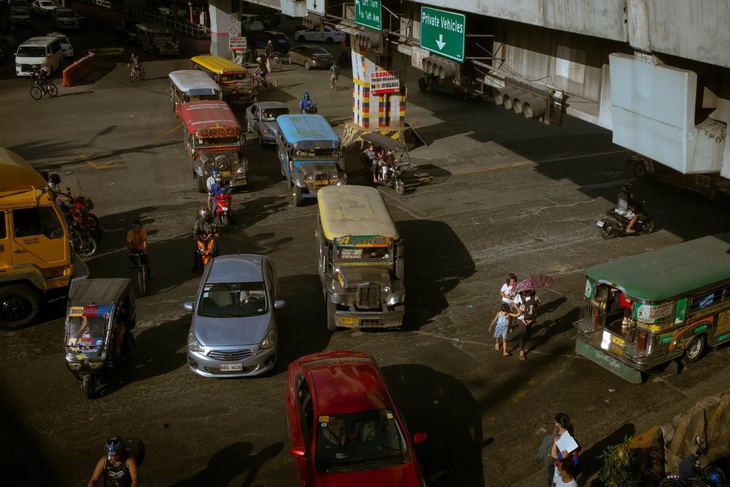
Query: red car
[{"x": 344, "y": 427}]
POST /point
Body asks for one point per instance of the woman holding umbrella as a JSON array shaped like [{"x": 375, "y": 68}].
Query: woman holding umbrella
[{"x": 527, "y": 302}]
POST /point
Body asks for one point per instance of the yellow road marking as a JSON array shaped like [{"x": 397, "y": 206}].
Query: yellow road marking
[
  {"x": 106, "y": 164},
  {"x": 177, "y": 127}
]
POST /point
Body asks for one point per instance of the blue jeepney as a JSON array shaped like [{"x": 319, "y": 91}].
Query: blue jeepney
[{"x": 310, "y": 155}]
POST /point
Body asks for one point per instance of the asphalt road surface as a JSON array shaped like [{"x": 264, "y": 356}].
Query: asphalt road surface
[{"x": 490, "y": 193}]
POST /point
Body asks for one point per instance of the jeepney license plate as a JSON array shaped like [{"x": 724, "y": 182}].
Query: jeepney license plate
[
  {"x": 322, "y": 182},
  {"x": 618, "y": 341},
  {"x": 347, "y": 320},
  {"x": 600, "y": 223},
  {"x": 370, "y": 323},
  {"x": 225, "y": 174},
  {"x": 231, "y": 367}
]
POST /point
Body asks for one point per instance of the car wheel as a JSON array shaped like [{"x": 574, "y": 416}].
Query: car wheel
[
  {"x": 19, "y": 306},
  {"x": 639, "y": 170},
  {"x": 307, "y": 65},
  {"x": 694, "y": 349},
  {"x": 301, "y": 39}
]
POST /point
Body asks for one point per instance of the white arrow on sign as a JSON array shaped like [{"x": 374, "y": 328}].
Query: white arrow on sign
[
  {"x": 440, "y": 42},
  {"x": 357, "y": 6}
]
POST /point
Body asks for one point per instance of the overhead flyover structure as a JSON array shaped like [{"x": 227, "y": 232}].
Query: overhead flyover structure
[{"x": 654, "y": 72}]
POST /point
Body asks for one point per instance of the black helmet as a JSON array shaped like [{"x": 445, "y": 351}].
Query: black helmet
[
  {"x": 54, "y": 178},
  {"x": 627, "y": 187},
  {"x": 114, "y": 446}
]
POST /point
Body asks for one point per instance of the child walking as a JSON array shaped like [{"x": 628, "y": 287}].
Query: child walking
[{"x": 501, "y": 319}]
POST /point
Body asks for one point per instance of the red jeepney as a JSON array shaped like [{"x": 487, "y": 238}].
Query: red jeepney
[{"x": 213, "y": 138}]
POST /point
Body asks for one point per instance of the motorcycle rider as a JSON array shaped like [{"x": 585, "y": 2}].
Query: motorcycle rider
[
  {"x": 625, "y": 205},
  {"x": 116, "y": 466},
  {"x": 306, "y": 103},
  {"x": 204, "y": 225},
  {"x": 217, "y": 188}
]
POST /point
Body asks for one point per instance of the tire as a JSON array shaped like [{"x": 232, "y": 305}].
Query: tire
[
  {"x": 132, "y": 76},
  {"x": 301, "y": 39},
  {"x": 36, "y": 93},
  {"x": 141, "y": 281},
  {"x": 225, "y": 221},
  {"x": 255, "y": 82},
  {"x": 85, "y": 247},
  {"x": 95, "y": 234},
  {"x": 297, "y": 200},
  {"x": 639, "y": 170},
  {"x": 307, "y": 65},
  {"x": 331, "y": 318},
  {"x": 400, "y": 187},
  {"x": 647, "y": 226},
  {"x": 90, "y": 386},
  {"x": 606, "y": 231},
  {"x": 693, "y": 351},
  {"x": 261, "y": 139},
  {"x": 141, "y": 74},
  {"x": 19, "y": 306},
  {"x": 52, "y": 90},
  {"x": 422, "y": 84}
]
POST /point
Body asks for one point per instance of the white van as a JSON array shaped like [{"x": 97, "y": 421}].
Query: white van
[{"x": 45, "y": 52}]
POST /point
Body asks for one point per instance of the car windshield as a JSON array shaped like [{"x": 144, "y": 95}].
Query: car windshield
[
  {"x": 31, "y": 51},
  {"x": 235, "y": 299},
  {"x": 320, "y": 51},
  {"x": 270, "y": 114},
  {"x": 360, "y": 441}
]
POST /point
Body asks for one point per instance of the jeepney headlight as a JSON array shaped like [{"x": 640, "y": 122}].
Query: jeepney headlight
[
  {"x": 243, "y": 166},
  {"x": 96, "y": 365},
  {"x": 386, "y": 290},
  {"x": 309, "y": 177},
  {"x": 193, "y": 344},
  {"x": 74, "y": 365},
  {"x": 334, "y": 175},
  {"x": 69, "y": 357},
  {"x": 392, "y": 300}
]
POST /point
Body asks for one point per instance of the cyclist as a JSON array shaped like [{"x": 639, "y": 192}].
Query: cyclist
[
  {"x": 38, "y": 74},
  {"x": 136, "y": 63},
  {"x": 306, "y": 103},
  {"x": 116, "y": 466},
  {"x": 137, "y": 245},
  {"x": 261, "y": 70}
]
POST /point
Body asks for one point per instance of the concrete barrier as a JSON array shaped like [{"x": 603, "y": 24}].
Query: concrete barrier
[
  {"x": 79, "y": 70},
  {"x": 659, "y": 450}
]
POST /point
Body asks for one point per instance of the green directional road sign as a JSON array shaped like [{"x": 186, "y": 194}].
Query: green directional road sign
[
  {"x": 443, "y": 32},
  {"x": 369, "y": 14}
]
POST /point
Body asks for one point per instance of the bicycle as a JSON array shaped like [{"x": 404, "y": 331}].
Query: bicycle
[
  {"x": 42, "y": 87},
  {"x": 268, "y": 82},
  {"x": 141, "y": 276},
  {"x": 136, "y": 74}
]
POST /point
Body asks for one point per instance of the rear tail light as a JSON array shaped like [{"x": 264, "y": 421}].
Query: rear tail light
[{"x": 642, "y": 341}]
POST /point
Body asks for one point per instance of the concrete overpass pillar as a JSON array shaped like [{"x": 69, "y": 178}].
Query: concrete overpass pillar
[{"x": 224, "y": 24}]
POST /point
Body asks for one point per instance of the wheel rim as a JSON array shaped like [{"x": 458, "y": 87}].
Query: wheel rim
[
  {"x": 695, "y": 348},
  {"x": 52, "y": 90},
  {"x": 15, "y": 308}
]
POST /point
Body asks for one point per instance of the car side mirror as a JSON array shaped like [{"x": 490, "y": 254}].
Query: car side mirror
[
  {"x": 188, "y": 306},
  {"x": 299, "y": 452},
  {"x": 279, "y": 303},
  {"x": 419, "y": 438}
]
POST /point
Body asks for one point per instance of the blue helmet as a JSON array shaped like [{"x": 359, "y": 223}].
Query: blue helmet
[
  {"x": 306, "y": 95},
  {"x": 114, "y": 446},
  {"x": 214, "y": 171}
]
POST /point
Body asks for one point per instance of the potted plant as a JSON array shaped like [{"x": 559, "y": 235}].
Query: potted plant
[{"x": 618, "y": 466}]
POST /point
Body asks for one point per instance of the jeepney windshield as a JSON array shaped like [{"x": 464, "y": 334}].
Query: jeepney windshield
[
  {"x": 315, "y": 153},
  {"x": 363, "y": 253},
  {"x": 234, "y": 77},
  {"x": 219, "y": 141}
]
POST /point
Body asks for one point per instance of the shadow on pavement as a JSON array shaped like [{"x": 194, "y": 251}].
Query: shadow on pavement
[{"x": 442, "y": 407}]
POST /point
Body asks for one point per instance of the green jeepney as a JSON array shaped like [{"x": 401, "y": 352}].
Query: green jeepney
[{"x": 676, "y": 302}]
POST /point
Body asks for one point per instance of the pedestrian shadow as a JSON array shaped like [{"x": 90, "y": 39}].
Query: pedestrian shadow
[
  {"x": 543, "y": 331},
  {"x": 232, "y": 461},
  {"x": 589, "y": 459}
]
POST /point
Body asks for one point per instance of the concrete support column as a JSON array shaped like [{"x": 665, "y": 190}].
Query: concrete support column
[{"x": 224, "y": 23}]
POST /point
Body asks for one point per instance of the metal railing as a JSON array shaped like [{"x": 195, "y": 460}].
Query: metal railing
[{"x": 186, "y": 28}]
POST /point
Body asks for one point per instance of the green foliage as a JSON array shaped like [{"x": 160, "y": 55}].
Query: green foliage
[{"x": 618, "y": 466}]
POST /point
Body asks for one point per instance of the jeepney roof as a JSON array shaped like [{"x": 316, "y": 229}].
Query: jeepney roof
[
  {"x": 18, "y": 174},
  {"x": 88, "y": 291},
  {"x": 198, "y": 115},
  {"x": 670, "y": 271},
  {"x": 306, "y": 127},
  {"x": 218, "y": 64},
  {"x": 354, "y": 210},
  {"x": 194, "y": 82}
]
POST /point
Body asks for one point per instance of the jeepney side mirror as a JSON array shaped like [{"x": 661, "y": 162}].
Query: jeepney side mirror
[
  {"x": 329, "y": 276},
  {"x": 188, "y": 306}
]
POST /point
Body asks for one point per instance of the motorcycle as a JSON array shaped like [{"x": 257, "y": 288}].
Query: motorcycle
[
  {"x": 79, "y": 209},
  {"x": 95, "y": 308},
  {"x": 691, "y": 472},
  {"x": 310, "y": 110},
  {"x": 397, "y": 153},
  {"x": 206, "y": 247},
  {"x": 614, "y": 224},
  {"x": 223, "y": 208}
]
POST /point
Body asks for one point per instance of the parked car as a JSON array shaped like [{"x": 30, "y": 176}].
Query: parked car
[
  {"x": 66, "y": 47},
  {"x": 327, "y": 34},
  {"x": 310, "y": 57},
  {"x": 19, "y": 16},
  {"x": 66, "y": 18},
  {"x": 261, "y": 120},
  {"x": 233, "y": 331},
  {"x": 125, "y": 31},
  {"x": 251, "y": 23},
  {"x": 344, "y": 426},
  {"x": 279, "y": 39},
  {"x": 44, "y": 7}
]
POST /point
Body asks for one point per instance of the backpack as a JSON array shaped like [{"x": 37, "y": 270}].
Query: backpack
[
  {"x": 336, "y": 71},
  {"x": 135, "y": 448},
  {"x": 530, "y": 313}
]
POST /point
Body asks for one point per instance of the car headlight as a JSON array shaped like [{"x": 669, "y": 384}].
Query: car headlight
[
  {"x": 193, "y": 344},
  {"x": 269, "y": 341},
  {"x": 266, "y": 131}
]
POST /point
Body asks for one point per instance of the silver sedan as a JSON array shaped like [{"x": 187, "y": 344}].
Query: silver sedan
[{"x": 261, "y": 120}]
